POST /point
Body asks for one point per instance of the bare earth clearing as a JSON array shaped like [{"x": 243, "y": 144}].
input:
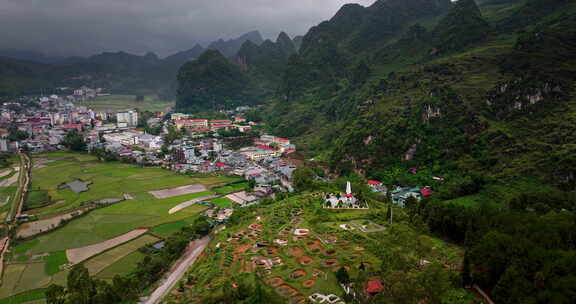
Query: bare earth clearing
[
  {"x": 78, "y": 255},
  {"x": 190, "y": 203},
  {"x": 241, "y": 197},
  {"x": 168, "y": 193},
  {"x": 32, "y": 228},
  {"x": 11, "y": 180},
  {"x": 5, "y": 172}
]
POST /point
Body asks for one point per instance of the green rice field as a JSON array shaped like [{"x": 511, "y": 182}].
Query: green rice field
[{"x": 42, "y": 256}]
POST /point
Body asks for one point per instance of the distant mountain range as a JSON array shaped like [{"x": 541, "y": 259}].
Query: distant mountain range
[{"x": 23, "y": 71}]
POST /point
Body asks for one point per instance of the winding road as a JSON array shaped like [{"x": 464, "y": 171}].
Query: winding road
[{"x": 178, "y": 270}]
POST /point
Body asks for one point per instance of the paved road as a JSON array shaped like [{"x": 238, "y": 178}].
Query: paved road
[{"x": 178, "y": 270}]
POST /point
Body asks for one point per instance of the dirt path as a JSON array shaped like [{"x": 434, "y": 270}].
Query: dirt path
[
  {"x": 178, "y": 270},
  {"x": 483, "y": 294},
  {"x": 190, "y": 203},
  {"x": 77, "y": 255},
  {"x": 4, "y": 244}
]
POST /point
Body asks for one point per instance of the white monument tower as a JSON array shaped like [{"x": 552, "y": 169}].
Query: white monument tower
[{"x": 348, "y": 189}]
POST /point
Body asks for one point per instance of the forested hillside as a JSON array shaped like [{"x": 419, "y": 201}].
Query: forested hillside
[{"x": 480, "y": 93}]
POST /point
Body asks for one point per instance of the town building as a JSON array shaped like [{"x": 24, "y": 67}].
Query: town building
[{"x": 127, "y": 118}]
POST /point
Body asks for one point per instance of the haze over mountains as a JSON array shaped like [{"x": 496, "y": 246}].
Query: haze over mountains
[{"x": 119, "y": 72}]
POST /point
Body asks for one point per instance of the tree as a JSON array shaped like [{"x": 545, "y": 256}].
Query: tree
[
  {"x": 435, "y": 281},
  {"x": 343, "y": 276},
  {"x": 389, "y": 213},
  {"x": 14, "y": 134},
  {"x": 81, "y": 288},
  {"x": 466, "y": 272},
  {"x": 303, "y": 179},
  {"x": 74, "y": 141},
  {"x": 55, "y": 294}
]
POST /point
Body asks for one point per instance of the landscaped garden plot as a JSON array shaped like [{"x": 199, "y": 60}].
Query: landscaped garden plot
[
  {"x": 108, "y": 258},
  {"x": 271, "y": 243},
  {"x": 77, "y": 255}
]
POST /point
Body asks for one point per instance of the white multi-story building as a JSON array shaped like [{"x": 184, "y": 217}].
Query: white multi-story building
[{"x": 130, "y": 118}]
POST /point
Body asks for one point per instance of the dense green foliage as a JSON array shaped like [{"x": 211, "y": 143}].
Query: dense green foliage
[
  {"x": 211, "y": 82},
  {"x": 74, "y": 141}
]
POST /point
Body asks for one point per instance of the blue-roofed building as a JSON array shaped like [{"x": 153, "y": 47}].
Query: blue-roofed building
[{"x": 400, "y": 195}]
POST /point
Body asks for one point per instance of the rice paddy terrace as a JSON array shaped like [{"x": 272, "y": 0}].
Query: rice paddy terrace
[{"x": 98, "y": 214}]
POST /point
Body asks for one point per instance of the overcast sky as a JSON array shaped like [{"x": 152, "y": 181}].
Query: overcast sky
[{"x": 85, "y": 27}]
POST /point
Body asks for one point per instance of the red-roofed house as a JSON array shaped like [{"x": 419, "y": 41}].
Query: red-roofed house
[
  {"x": 374, "y": 287},
  {"x": 265, "y": 148},
  {"x": 221, "y": 126},
  {"x": 374, "y": 183},
  {"x": 191, "y": 123},
  {"x": 221, "y": 121},
  {"x": 221, "y": 165},
  {"x": 72, "y": 126}
]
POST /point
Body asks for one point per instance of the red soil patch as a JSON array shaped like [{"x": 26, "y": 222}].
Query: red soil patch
[
  {"x": 296, "y": 251},
  {"x": 272, "y": 250},
  {"x": 330, "y": 262},
  {"x": 296, "y": 274},
  {"x": 286, "y": 291},
  {"x": 305, "y": 260},
  {"x": 242, "y": 248},
  {"x": 275, "y": 282},
  {"x": 309, "y": 283},
  {"x": 256, "y": 227},
  {"x": 330, "y": 252},
  {"x": 315, "y": 246}
]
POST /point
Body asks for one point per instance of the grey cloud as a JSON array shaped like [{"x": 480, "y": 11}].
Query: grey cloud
[{"x": 81, "y": 27}]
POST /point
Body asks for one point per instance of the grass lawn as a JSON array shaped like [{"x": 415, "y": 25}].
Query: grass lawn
[
  {"x": 230, "y": 188},
  {"x": 54, "y": 260},
  {"x": 108, "y": 258},
  {"x": 470, "y": 201},
  {"x": 223, "y": 202},
  {"x": 108, "y": 180},
  {"x": 36, "y": 199},
  {"x": 168, "y": 229},
  {"x": 123, "y": 266},
  {"x": 115, "y": 103},
  {"x": 25, "y": 297}
]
